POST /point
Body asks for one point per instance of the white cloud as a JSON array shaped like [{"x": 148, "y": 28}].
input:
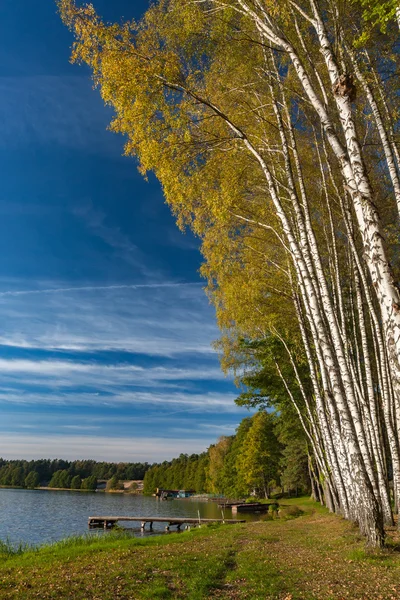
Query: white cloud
[
  {"x": 141, "y": 345},
  {"x": 48, "y": 368},
  {"x": 73, "y": 447},
  {"x": 175, "y": 401},
  {"x": 110, "y": 378},
  {"x": 81, "y": 427}
]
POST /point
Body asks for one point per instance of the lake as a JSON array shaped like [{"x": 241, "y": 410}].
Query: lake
[{"x": 41, "y": 516}]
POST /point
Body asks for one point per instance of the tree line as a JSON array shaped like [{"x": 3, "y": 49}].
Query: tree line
[
  {"x": 268, "y": 451},
  {"x": 259, "y": 458},
  {"x": 57, "y": 473},
  {"x": 273, "y": 129}
]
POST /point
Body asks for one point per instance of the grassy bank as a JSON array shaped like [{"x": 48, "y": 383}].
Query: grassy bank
[{"x": 308, "y": 555}]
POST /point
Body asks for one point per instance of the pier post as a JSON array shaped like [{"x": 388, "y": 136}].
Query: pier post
[{"x": 143, "y": 525}]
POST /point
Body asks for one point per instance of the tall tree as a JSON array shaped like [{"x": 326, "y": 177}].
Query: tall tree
[
  {"x": 260, "y": 456},
  {"x": 293, "y": 193},
  {"x": 32, "y": 480},
  {"x": 217, "y": 455}
]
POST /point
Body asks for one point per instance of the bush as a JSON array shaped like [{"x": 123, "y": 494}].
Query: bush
[
  {"x": 290, "y": 512},
  {"x": 114, "y": 484}
]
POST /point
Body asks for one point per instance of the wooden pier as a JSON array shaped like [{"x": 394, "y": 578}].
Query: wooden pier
[{"x": 109, "y": 522}]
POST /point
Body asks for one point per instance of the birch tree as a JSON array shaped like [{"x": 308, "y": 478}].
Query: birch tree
[{"x": 246, "y": 113}]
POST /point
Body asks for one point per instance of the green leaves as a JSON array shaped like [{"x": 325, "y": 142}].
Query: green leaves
[
  {"x": 378, "y": 15},
  {"x": 379, "y": 12}
]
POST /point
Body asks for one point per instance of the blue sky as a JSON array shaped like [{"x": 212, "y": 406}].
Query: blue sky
[{"x": 105, "y": 329}]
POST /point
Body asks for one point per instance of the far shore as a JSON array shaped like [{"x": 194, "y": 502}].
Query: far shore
[
  {"x": 57, "y": 489},
  {"x": 51, "y": 489}
]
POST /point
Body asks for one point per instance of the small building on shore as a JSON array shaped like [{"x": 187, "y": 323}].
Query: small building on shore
[
  {"x": 162, "y": 493},
  {"x": 186, "y": 493}
]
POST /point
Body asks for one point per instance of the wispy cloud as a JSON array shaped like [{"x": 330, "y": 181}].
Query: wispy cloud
[
  {"x": 95, "y": 288},
  {"x": 72, "y": 373},
  {"x": 115, "y": 238},
  {"x": 221, "y": 429},
  {"x": 173, "y": 402},
  {"x": 137, "y": 348},
  {"x": 156, "y": 318},
  {"x": 49, "y": 368},
  {"x": 209, "y": 428},
  {"x": 122, "y": 420},
  {"x": 141, "y": 345}
]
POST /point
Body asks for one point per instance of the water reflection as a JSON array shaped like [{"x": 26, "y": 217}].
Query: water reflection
[{"x": 40, "y": 516}]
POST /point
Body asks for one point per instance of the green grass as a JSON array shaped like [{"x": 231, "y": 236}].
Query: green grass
[{"x": 307, "y": 554}]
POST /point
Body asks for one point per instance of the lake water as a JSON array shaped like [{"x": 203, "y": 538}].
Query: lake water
[{"x": 41, "y": 516}]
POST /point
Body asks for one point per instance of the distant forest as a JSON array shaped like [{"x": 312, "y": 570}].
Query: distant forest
[
  {"x": 268, "y": 451},
  {"x": 79, "y": 474},
  {"x": 264, "y": 454}
]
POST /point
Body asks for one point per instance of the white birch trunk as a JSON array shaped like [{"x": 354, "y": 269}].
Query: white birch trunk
[
  {"x": 351, "y": 162},
  {"x": 368, "y": 219},
  {"x": 306, "y": 237},
  {"x": 371, "y": 411},
  {"x": 382, "y": 366},
  {"x": 338, "y": 465}
]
